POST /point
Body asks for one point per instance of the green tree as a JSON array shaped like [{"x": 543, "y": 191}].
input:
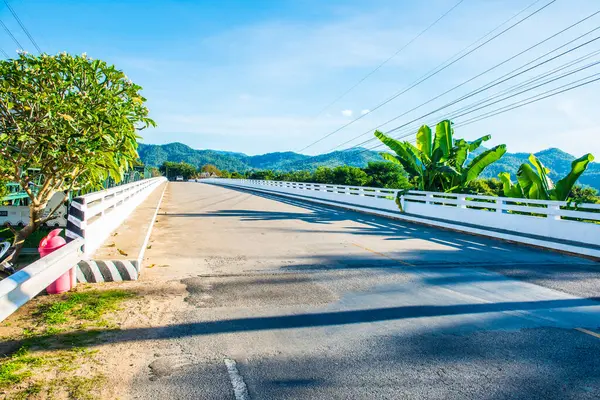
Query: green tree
[
  {"x": 266, "y": 175},
  {"x": 388, "y": 175},
  {"x": 323, "y": 175},
  {"x": 486, "y": 187},
  {"x": 172, "y": 169},
  {"x": 350, "y": 176},
  {"x": 534, "y": 183},
  {"x": 580, "y": 195},
  {"x": 300, "y": 176},
  {"x": 211, "y": 169},
  {"x": 225, "y": 174},
  {"x": 237, "y": 175},
  {"x": 67, "y": 121},
  {"x": 439, "y": 163}
]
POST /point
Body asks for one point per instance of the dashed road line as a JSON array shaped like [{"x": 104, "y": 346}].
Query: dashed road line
[
  {"x": 594, "y": 334},
  {"x": 240, "y": 390}
]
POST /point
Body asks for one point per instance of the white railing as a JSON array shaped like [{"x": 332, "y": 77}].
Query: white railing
[
  {"x": 94, "y": 216},
  {"x": 25, "y": 284},
  {"x": 553, "y": 224}
]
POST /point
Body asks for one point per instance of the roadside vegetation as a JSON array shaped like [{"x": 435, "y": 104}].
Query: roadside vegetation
[
  {"x": 49, "y": 357},
  {"x": 67, "y": 122}
]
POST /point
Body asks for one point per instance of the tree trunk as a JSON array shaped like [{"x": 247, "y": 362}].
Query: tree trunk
[{"x": 35, "y": 216}]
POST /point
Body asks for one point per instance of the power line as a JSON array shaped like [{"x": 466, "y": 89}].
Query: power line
[
  {"x": 521, "y": 103},
  {"x": 390, "y": 58},
  {"x": 22, "y": 26},
  {"x": 5, "y": 54},
  {"x": 512, "y": 89},
  {"x": 11, "y": 35},
  {"x": 531, "y": 100},
  {"x": 500, "y": 80},
  {"x": 441, "y": 67},
  {"x": 479, "y": 75}
]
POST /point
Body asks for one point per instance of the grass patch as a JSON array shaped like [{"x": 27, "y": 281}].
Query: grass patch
[
  {"x": 83, "y": 306},
  {"x": 52, "y": 346},
  {"x": 22, "y": 364}
]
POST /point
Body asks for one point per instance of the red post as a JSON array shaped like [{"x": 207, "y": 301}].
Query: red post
[{"x": 47, "y": 245}]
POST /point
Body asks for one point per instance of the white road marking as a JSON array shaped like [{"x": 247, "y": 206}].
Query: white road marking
[{"x": 239, "y": 386}]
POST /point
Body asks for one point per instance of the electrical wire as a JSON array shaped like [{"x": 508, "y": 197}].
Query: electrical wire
[
  {"x": 5, "y": 54},
  {"x": 440, "y": 68},
  {"x": 390, "y": 58},
  {"x": 521, "y": 103},
  {"x": 499, "y": 80},
  {"x": 482, "y": 73},
  {"x": 11, "y": 35},
  {"x": 512, "y": 89},
  {"x": 22, "y": 26}
]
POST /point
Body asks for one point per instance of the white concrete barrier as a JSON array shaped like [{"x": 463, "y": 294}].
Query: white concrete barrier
[
  {"x": 91, "y": 220},
  {"x": 25, "y": 284},
  {"x": 550, "y": 224},
  {"x": 94, "y": 216}
]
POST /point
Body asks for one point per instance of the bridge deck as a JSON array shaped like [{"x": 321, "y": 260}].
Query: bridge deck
[{"x": 316, "y": 302}]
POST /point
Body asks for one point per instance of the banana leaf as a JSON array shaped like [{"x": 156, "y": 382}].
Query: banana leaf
[
  {"x": 542, "y": 172},
  {"x": 408, "y": 155},
  {"x": 460, "y": 153},
  {"x": 563, "y": 187},
  {"x": 443, "y": 142},
  {"x": 531, "y": 183},
  {"x": 479, "y": 163},
  {"x": 510, "y": 189},
  {"x": 424, "y": 141},
  {"x": 474, "y": 145}
]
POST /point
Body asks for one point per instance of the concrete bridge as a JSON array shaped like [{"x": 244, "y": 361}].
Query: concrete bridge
[{"x": 288, "y": 298}]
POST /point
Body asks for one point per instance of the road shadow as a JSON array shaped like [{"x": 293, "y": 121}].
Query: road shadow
[{"x": 308, "y": 320}]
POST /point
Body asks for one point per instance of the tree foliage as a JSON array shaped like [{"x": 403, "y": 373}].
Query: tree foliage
[
  {"x": 386, "y": 175},
  {"x": 173, "y": 169},
  {"x": 66, "y": 121},
  {"x": 211, "y": 169},
  {"x": 533, "y": 181},
  {"x": 440, "y": 163}
]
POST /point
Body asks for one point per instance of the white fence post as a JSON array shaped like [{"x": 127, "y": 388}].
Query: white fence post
[
  {"x": 461, "y": 198},
  {"x": 499, "y": 205},
  {"x": 553, "y": 207}
]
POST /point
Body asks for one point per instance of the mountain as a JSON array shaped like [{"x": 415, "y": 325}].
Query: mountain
[
  {"x": 155, "y": 155},
  {"x": 555, "y": 159}
]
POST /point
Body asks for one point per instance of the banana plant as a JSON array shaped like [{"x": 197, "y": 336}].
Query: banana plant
[
  {"x": 534, "y": 183},
  {"x": 439, "y": 163}
]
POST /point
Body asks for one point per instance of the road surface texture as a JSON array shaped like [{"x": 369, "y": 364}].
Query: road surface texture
[{"x": 292, "y": 300}]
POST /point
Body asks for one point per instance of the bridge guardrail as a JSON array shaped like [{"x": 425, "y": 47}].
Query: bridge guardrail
[
  {"x": 95, "y": 215},
  {"x": 551, "y": 224},
  {"x": 25, "y": 284}
]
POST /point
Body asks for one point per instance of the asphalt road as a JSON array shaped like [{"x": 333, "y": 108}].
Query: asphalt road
[{"x": 291, "y": 300}]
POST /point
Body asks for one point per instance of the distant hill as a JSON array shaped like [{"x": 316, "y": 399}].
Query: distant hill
[
  {"x": 556, "y": 160},
  {"x": 155, "y": 155}
]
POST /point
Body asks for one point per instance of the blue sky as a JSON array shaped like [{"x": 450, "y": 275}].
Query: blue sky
[{"x": 252, "y": 76}]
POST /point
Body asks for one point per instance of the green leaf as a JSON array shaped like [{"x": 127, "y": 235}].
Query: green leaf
[
  {"x": 443, "y": 142},
  {"x": 479, "y": 163},
  {"x": 424, "y": 140},
  {"x": 542, "y": 172},
  {"x": 407, "y": 154},
  {"x": 565, "y": 185},
  {"x": 510, "y": 189},
  {"x": 474, "y": 145},
  {"x": 531, "y": 183},
  {"x": 461, "y": 152}
]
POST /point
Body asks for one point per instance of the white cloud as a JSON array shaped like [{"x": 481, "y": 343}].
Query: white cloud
[
  {"x": 365, "y": 111},
  {"x": 347, "y": 113}
]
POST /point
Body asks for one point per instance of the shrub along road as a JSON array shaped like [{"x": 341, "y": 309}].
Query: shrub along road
[{"x": 289, "y": 300}]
